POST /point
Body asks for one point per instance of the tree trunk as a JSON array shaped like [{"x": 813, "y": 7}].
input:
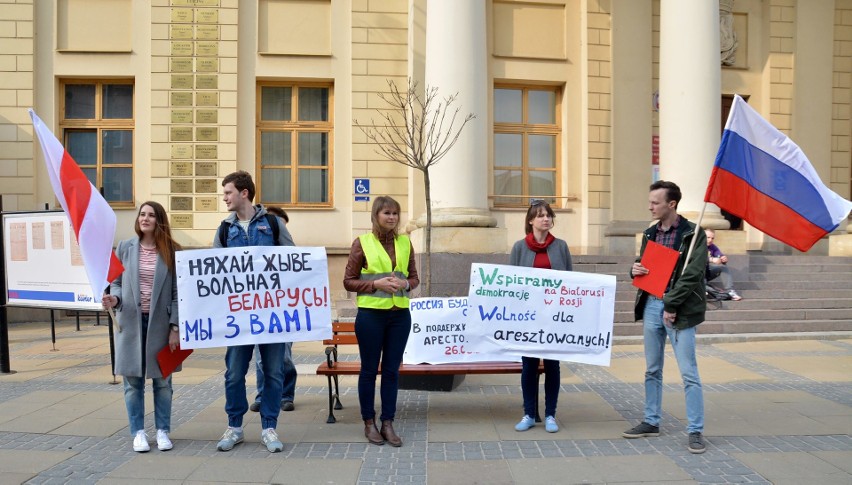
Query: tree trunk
[{"x": 427, "y": 251}]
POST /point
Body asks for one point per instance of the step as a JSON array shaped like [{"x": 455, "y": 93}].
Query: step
[
  {"x": 798, "y": 259},
  {"x": 765, "y": 326},
  {"x": 792, "y": 294},
  {"x": 786, "y": 303},
  {"x": 814, "y": 276},
  {"x": 732, "y": 314},
  {"x": 800, "y": 268},
  {"x": 793, "y": 285}
]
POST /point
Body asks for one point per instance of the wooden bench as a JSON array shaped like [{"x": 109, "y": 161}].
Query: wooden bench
[{"x": 344, "y": 334}]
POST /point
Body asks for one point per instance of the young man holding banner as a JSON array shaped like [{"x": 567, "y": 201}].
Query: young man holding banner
[
  {"x": 675, "y": 315},
  {"x": 249, "y": 226}
]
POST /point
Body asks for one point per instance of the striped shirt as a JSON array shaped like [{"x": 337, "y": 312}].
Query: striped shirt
[{"x": 147, "y": 266}]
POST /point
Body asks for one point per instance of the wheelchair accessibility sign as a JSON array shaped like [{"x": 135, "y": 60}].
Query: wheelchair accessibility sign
[{"x": 362, "y": 190}]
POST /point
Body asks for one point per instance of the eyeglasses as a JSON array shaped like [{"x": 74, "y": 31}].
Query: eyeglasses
[{"x": 535, "y": 202}]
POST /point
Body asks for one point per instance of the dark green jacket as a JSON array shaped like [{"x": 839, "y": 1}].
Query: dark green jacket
[{"x": 686, "y": 296}]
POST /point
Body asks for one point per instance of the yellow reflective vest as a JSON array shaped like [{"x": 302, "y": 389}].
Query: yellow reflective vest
[{"x": 379, "y": 266}]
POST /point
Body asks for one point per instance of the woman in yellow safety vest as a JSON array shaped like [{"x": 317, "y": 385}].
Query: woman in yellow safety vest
[{"x": 381, "y": 271}]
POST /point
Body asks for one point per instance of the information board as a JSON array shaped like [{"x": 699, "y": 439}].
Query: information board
[{"x": 44, "y": 267}]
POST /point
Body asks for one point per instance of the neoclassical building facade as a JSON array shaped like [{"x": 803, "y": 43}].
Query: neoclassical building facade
[{"x": 579, "y": 102}]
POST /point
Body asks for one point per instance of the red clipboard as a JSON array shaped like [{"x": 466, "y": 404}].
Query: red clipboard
[
  {"x": 169, "y": 360},
  {"x": 660, "y": 262}
]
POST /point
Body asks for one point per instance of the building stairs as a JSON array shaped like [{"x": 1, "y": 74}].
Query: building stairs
[{"x": 781, "y": 293}]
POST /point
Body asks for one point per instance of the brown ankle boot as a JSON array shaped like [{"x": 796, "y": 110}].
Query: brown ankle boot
[
  {"x": 372, "y": 433},
  {"x": 390, "y": 435}
]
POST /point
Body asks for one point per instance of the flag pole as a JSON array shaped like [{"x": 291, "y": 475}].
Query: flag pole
[{"x": 692, "y": 242}]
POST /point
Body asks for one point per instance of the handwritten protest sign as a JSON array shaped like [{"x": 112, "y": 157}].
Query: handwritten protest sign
[
  {"x": 440, "y": 333},
  {"x": 252, "y": 295},
  {"x": 560, "y": 315}
]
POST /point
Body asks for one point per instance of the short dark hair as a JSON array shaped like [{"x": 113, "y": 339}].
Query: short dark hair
[
  {"x": 242, "y": 181},
  {"x": 277, "y": 211},
  {"x": 672, "y": 190}
]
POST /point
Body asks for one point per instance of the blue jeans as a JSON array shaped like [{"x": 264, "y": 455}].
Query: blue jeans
[
  {"x": 134, "y": 399},
  {"x": 382, "y": 335},
  {"x": 290, "y": 374},
  {"x": 134, "y": 394},
  {"x": 237, "y": 361},
  {"x": 529, "y": 385},
  {"x": 683, "y": 343}
]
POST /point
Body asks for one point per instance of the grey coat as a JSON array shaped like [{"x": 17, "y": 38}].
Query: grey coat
[
  {"x": 557, "y": 252},
  {"x": 128, "y": 344}
]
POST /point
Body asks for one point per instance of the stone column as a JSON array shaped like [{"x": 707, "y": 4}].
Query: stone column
[
  {"x": 456, "y": 63},
  {"x": 631, "y": 123},
  {"x": 690, "y": 101}
]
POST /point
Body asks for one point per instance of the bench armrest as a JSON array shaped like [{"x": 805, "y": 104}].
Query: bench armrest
[{"x": 331, "y": 349}]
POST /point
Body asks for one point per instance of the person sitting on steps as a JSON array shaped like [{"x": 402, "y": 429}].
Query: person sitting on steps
[{"x": 718, "y": 273}]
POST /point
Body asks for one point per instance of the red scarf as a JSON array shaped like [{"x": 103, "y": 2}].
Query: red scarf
[{"x": 541, "y": 260}]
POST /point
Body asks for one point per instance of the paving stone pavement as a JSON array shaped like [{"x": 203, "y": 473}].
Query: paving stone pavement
[{"x": 776, "y": 411}]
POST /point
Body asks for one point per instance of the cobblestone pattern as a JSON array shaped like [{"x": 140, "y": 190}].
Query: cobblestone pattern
[{"x": 96, "y": 457}]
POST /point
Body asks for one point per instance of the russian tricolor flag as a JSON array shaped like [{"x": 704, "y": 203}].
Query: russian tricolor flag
[
  {"x": 763, "y": 177},
  {"x": 91, "y": 216}
]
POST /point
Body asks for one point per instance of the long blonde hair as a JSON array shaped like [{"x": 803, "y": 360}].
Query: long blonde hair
[{"x": 380, "y": 204}]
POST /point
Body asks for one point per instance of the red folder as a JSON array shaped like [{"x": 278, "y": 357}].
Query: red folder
[
  {"x": 660, "y": 262},
  {"x": 169, "y": 360}
]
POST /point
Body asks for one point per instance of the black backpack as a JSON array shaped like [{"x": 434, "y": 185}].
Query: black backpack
[{"x": 222, "y": 232}]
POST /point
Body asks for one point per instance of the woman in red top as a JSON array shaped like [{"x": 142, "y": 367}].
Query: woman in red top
[{"x": 540, "y": 249}]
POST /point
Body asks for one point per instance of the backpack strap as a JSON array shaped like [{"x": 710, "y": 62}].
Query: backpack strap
[
  {"x": 272, "y": 219},
  {"x": 222, "y": 234}
]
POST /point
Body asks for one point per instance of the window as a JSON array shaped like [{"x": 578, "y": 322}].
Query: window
[
  {"x": 96, "y": 121},
  {"x": 294, "y": 136},
  {"x": 526, "y": 144}
]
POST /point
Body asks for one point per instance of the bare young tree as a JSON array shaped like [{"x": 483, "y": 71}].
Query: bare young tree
[{"x": 417, "y": 130}]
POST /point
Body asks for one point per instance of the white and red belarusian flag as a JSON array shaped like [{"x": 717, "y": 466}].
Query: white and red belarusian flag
[{"x": 91, "y": 216}]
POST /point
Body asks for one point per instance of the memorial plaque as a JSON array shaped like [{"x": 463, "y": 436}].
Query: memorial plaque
[
  {"x": 181, "y": 221},
  {"x": 207, "y": 81},
  {"x": 207, "y": 15},
  {"x": 181, "y": 169},
  {"x": 207, "y": 133},
  {"x": 207, "y": 32},
  {"x": 180, "y": 64},
  {"x": 206, "y": 186},
  {"x": 207, "y": 116},
  {"x": 181, "y": 204},
  {"x": 181, "y": 151},
  {"x": 181, "y": 116},
  {"x": 208, "y": 152},
  {"x": 180, "y": 133},
  {"x": 180, "y": 32},
  {"x": 206, "y": 169},
  {"x": 181, "y": 186},
  {"x": 206, "y": 204},
  {"x": 181, "y": 48},
  {"x": 206, "y": 65},
  {"x": 207, "y": 48},
  {"x": 181, "y": 15},
  {"x": 196, "y": 3},
  {"x": 181, "y": 98},
  {"x": 206, "y": 99},
  {"x": 181, "y": 81}
]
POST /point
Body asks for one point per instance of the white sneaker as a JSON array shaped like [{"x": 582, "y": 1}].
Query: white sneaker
[
  {"x": 140, "y": 442},
  {"x": 163, "y": 441}
]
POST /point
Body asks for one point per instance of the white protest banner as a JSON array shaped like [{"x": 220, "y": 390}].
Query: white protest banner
[
  {"x": 252, "y": 295},
  {"x": 560, "y": 315},
  {"x": 440, "y": 333}
]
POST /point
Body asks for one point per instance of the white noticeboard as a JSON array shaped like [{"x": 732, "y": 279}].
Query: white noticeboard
[
  {"x": 252, "y": 295},
  {"x": 44, "y": 267}
]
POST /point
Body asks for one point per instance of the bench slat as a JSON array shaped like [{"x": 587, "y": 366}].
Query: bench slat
[{"x": 353, "y": 368}]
